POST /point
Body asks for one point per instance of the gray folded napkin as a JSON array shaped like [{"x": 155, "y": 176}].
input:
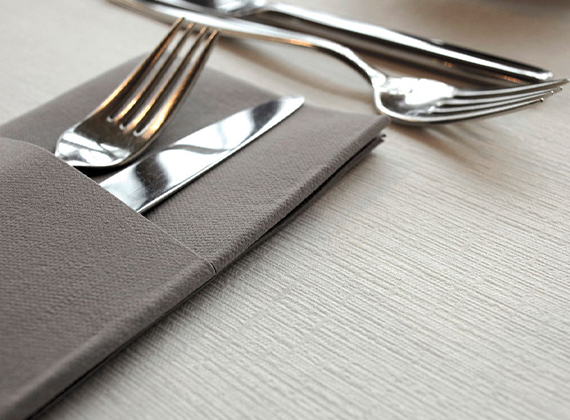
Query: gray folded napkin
[{"x": 81, "y": 274}]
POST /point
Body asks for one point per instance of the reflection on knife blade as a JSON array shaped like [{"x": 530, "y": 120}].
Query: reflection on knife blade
[{"x": 152, "y": 179}]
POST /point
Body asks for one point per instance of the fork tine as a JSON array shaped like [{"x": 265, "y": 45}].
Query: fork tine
[
  {"x": 155, "y": 114},
  {"x": 551, "y": 84},
  {"x": 121, "y": 93},
  {"x": 454, "y": 102},
  {"x": 161, "y": 95},
  {"x": 136, "y": 102},
  {"x": 464, "y": 116},
  {"x": 483, "y": 106}
]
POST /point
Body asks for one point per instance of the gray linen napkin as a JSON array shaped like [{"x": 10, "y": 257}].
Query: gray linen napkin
[{"x": 82, "y": 274}]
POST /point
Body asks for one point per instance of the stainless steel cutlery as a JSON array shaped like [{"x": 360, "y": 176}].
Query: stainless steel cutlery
[
  {"x": 365, "y": 37},
  {"x": 406, "y": 100},
  {"x": 127, "y": 122},
  {"x": 149, "y": 181}
]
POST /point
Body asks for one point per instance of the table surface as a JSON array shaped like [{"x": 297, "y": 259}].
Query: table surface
[{"x": 431, "y": 282}]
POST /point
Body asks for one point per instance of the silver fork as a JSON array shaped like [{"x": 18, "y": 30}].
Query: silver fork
[
  {"x": 127, "y": 122},
  {"x": 406, "y": 100},
  {"x": 420, "y": 101}
]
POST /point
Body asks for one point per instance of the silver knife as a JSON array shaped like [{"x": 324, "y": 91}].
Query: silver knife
[
  {"x": 435, "y": 54},
  {"x": 152, "y": 179}
]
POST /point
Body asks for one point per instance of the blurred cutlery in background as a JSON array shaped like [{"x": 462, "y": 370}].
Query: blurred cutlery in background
[
  {"x": 407, "y": 100},
  {"x": 432, "y": 53}
]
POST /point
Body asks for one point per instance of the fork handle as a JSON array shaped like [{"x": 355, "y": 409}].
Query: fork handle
[
  {"x": 432, "y": 53},
  {"x": 253, "y": 30}
]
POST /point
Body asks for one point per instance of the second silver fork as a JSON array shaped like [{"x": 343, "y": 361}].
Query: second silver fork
[
  {"x": 407, "y": 100},
  {"x": 127, "y": 122}
]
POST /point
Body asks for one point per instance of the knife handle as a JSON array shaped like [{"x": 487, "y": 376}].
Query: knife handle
[{"x": 431, "y": 53}]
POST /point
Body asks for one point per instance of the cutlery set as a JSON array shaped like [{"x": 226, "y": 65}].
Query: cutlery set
[
  {"x": 131, "y": 118},
  {"x": 78, "y": 261},
  {"x": 364, "y": 37}
]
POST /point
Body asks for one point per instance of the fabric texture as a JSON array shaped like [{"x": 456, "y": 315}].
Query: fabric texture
[{"x": 83, "y": 274}]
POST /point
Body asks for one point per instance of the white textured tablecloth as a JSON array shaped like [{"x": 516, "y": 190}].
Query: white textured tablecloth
[{"x": 432, "y": 282}]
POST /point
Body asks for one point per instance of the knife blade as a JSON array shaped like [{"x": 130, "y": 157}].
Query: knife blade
[
  {"x": 435, "y": 54},
  {"x": 152, "y": 179}
]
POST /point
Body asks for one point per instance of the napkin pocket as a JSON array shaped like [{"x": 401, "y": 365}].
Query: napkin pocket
[{"x": 81, "y": 274}]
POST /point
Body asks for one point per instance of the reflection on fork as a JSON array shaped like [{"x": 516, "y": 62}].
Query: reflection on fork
[
  {"x": 127, "y": 122},
  {"x": 406, "y": 100}
]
